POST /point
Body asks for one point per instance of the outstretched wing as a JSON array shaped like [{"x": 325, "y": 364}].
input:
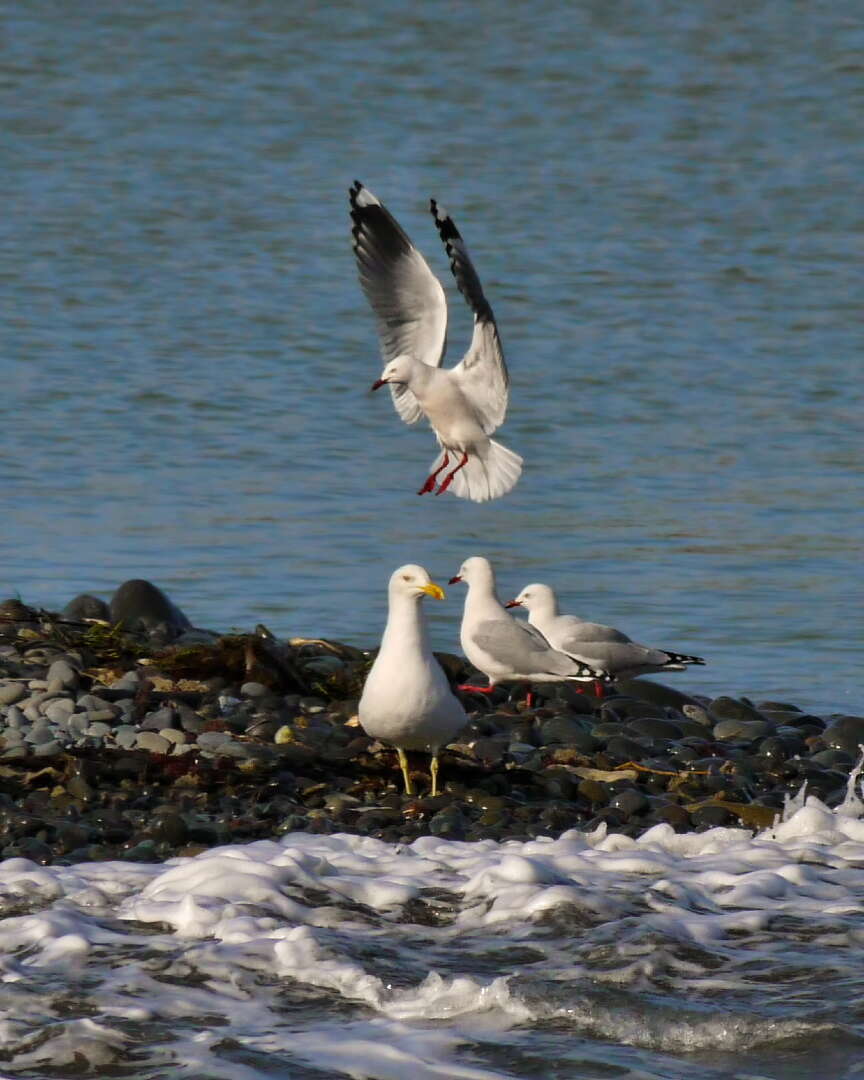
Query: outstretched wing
[
  {"x": 407, "y": 299},
  {"x": 482, "y": 372}
]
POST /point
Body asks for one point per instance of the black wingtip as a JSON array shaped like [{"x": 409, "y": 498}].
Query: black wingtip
[{"x": 444, "y": 223}]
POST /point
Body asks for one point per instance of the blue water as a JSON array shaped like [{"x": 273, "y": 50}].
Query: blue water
[{"x": 663, "y": 207}]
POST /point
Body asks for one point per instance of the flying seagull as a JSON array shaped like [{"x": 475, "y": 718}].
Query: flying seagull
[{"x": 464, "y": 404}]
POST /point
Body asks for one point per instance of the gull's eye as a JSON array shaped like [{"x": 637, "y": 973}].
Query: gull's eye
[{"x": 407, "y": 577}]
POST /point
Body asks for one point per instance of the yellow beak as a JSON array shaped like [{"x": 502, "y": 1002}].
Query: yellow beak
[{"x": 433, "y": 590}]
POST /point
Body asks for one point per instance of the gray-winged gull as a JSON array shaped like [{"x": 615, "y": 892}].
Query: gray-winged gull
[
  {"x": 595, "y": 643},
  {"x": 505, "y": 649}
]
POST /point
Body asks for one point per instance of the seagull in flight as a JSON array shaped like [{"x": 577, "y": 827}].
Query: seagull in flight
[{"x": 464, "y": 404}]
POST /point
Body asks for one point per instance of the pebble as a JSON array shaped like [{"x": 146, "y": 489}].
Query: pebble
[
  {"x": 98, "y": 730},
  {"x": 62, "y": 674},
  {"x": 123, "y": 785},
  {"x": 155, "y": 744},
  {"x": 213, "y": 740},
  {"x": 11, "y": 692},
  {"x": 58, "y": 710},
  {"x": 845, "y": 733},
  {"x": 745, "y": 730}
]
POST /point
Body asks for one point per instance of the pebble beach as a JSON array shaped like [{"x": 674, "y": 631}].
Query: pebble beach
[{"x": 144, "y": 738}]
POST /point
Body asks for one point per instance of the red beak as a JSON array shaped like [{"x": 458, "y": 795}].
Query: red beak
[
  {"x": 454, "y": 580},
  {"x": 513, "y": 603},
  {"x": 378, "y": 384}
]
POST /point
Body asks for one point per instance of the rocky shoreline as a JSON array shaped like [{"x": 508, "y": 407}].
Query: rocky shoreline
[{"x": 125, "y": 733}]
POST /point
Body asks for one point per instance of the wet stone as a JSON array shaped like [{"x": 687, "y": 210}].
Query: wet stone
[
  {"x": 727, "y": 708},
  {"x": 594, "y": 791},
  {"x": 845, "y": 733},
  {"x": 741, "y": 730},
  {"x": 709, "y": 817},
  {"x": 655, "y": 728},
  {"x": 629, "y": 802},
  {"x": 560, "y": 730},
  {"x": 620, "y": 748}
]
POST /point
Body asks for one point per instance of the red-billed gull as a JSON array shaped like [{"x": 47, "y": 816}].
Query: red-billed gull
[
  {"x": 505, "y": 649},
  {"x": 597, "y": 644},
  {"x": 464, "y": 404},
  {"x": 407, "y": 700}
]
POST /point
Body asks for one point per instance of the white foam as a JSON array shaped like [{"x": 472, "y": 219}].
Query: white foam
[{"x": 434, "y": 950}]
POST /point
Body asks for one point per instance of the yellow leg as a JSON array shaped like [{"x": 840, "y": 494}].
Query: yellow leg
[
  {"x": 433, "y": 769},
  {"x": 403, "y": 765}
]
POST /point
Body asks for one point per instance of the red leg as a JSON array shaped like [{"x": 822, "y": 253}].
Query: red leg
[
  {"x": 529, "y": 698},
  {"x": 476, "y": 689},
  {"x": 598, "y": 688},
  {"x": 449, "y": 477},
  {"x": 432, "y": 477}
]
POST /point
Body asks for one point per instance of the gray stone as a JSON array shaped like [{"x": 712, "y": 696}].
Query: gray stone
[
  {"x": 655, "y": 693},
  {"x": 727, "y": 708},
  {"x": 125, "y": 684},
  {"x": 253, "y": 690},
  {"x": 212, "y": 740},
  {"x": 92, "y": 703},
  {"x": 655, "y": 728},
  {"x": 741, "y": 730},
  {"x": 58, "y": 710},
  {"x": 158, "y": 719},
  {"x": 14, "y": 717},
  {"x": 140, "y": 607},
  {"x": 125, "y": 735},
  {"x": 85, "y": 606},
  {"x": 560, "y": 731},
  {"x": 48, "y": 749},
  {"x": 12, "y": 753},
  {"x": 150, "y": 741},
  {"x": 629, "y": 802},
  {"x": 77, "y": 724},
  {"x": 698, "y": 714},
  {"x": 103, "y": 716},
  {"x": 39, "y": 733},
  {"x": 12, "y": 692},
  {"x": 12, "y": 737},
  {"x": 98, "y": 730},
  {"x": 62, "y": 671},
  {"x": 173, "y": 735},
  {"x": 845, "y": 733}
]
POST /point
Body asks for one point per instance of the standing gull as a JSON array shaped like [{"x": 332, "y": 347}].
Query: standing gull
[
  {"x": 503, "y": 648},
  {"x": 602, "y": 645},
  {"x": 407, "y": 700},
  {"x": 464, "y": 404}
]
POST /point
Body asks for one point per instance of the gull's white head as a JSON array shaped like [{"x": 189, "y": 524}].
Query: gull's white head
[
  {"x": 534, "y": 598},
  {"x": 397, "y": 371},
  {"x": 475, "y": 571},
  {"x": 414, "y": 581}
]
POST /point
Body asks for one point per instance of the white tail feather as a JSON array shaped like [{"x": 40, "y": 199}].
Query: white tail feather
[{"x": 491, "y": 471}]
